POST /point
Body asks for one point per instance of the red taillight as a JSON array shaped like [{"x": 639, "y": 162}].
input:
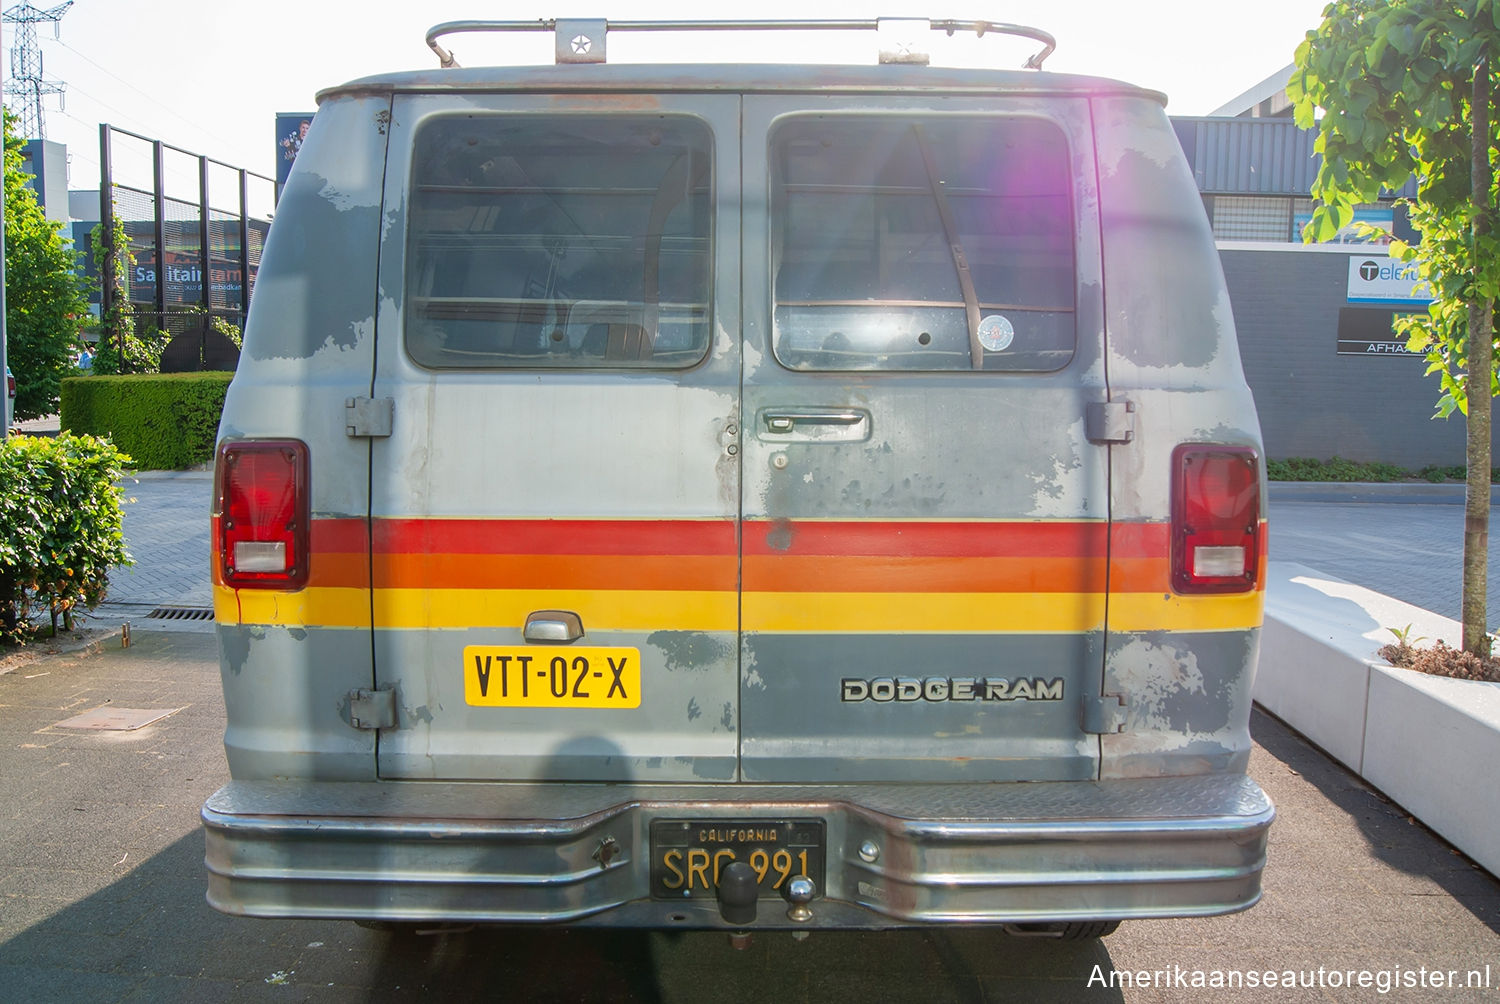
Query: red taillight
[
  {"x": 1215, "y": 519},
  {"x": 262, "y": 505}
]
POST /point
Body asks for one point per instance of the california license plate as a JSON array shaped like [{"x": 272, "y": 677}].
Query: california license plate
[
  {"x": 687, "y": 856},
  {"x": 528, "y": 676}
]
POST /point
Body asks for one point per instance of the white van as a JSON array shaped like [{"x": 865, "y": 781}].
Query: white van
[{"x": 739, "y": 496}]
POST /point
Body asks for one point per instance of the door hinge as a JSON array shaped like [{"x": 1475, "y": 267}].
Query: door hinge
[
  {"x": 1104, "y": 716},
  {"x": 1110, "y": 421},
  {"x": 372, "y": 709},
  {"x": 368, "y": 416}
]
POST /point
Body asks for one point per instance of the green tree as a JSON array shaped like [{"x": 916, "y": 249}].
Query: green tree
[
  {"x": 120, "y": 348},
  {"x": 1406, "y": 89},
  {"x": 44, "y": 292}
]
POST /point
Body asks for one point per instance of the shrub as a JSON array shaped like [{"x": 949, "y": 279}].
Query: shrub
[
  {"x": 166, "y": 421},
  {"x": 60, "y": 527},
  {"x": 1333, "y": 469}
]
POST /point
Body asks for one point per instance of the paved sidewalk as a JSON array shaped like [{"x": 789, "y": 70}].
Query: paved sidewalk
[
  {"x": 1405, "y": 541},
  {"x": 166, "y": 531}
]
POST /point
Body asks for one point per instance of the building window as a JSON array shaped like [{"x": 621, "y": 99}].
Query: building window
[
  {"x": 1252, "y": 218},
  {"x": 1378, "y": 214}
]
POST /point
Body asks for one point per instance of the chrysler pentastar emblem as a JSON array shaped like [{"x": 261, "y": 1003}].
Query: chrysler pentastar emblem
[{"x": 582, "y": 44}]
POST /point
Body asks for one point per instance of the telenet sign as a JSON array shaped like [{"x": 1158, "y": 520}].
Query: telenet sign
[{"x": 1382, "y": 279}]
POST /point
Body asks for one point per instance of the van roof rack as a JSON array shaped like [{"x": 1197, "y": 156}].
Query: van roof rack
[{"x": 902, "y": 40}]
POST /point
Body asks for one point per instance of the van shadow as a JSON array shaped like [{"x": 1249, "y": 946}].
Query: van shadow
[
  {"x": 149, "y": 934},
  {"x": 1393, "y": 837},
  {"x": 960, "y": 964}
]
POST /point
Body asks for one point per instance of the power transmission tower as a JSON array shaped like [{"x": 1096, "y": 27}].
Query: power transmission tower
[{"x": 26, "y": 80}]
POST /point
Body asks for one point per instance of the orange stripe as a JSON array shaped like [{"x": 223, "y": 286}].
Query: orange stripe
[
  {"x": 800, "y": 574},
  {"x": 348, "y": 571},
  {"x": 1140, "y": 575}
]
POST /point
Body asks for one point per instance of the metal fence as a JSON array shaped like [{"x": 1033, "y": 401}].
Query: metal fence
[{"x": 196, "y": 227}]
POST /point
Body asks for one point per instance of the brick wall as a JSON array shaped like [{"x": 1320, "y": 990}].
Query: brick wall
[{"x": 1312, "y": 401}]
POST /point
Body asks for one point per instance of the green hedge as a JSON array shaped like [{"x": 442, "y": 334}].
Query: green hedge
[
  {"x": 166, "y": 421},
  {"x": 60, "y": 527}
]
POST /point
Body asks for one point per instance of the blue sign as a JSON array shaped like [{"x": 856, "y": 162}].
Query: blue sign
[{"x": 291, "y": 128}]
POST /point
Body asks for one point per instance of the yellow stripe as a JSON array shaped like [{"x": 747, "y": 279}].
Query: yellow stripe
[
  {"x": 600, "y": 609},
  {"x": 323, "y": 607},
  {"x": 627, "y": 610},
  {"x": 1169, "y": 612},
  {"x": 1042, "y": 613}
]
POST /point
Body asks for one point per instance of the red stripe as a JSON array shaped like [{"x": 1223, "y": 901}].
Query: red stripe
[
  {"x": 1049, "y": 539},
  {"x": 766, "y": 538},
  {"x": 554, "y": 536},
  {"x": 1141, "y": 540},
  {"x": 339, "y": 535}
]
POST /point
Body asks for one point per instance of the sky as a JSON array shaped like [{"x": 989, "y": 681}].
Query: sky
[{"x": 209, "y": 76}]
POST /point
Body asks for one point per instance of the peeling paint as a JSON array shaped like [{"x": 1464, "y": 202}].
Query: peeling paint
[
  {"x": 706, "y": 769},
  {"x": 693, "y": 711},
  {"x": 1187, "y": 704},
  {"x": 1060, "y": 489},
  {"x": 1155, "y": 677},
  {"x": 691, "y": 651},
  {"x": 342, "y": 201},
  {"x": 780, "y": 534},
  {"x": 234, "y": 648},
  {"x": 728, "y": 720}
]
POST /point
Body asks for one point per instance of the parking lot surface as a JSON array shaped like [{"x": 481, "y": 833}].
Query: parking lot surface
[
  {"x": 101, "y": 854},
  {"x": 101, "y": 892}
]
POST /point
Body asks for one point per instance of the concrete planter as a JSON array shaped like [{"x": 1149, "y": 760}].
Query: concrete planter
[{"x": 1427, "y": 742}]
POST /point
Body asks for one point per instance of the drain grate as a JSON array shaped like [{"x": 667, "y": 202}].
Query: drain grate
[{"x": 181, "y": 614}]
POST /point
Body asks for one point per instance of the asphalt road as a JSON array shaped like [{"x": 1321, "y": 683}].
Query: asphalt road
[
  {"x": 101, "y": 874},
  {"x": 101, "y": 891}
]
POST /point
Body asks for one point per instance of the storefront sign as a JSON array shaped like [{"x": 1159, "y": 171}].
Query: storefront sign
[
  {"x": 1382, "y": 219},
  {"x": 1370, "y": 331},
  {"x": 1382, "y": 279}
]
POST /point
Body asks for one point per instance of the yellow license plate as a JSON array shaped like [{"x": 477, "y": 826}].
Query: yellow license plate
[{"x": 529, "y": 676}]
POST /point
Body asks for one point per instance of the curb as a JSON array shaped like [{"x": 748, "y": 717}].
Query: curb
[
  {"x": 62, "y": 645},
  {"x": 1414, "y": 493},
  {"x": 1416, "y": 738},
  {"x": 192, "y": 474}
]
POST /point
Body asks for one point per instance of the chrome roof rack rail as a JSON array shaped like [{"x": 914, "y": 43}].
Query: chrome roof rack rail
[{"x": 902, "y": 40}]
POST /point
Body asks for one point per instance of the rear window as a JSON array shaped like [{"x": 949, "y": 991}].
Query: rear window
[
  {"x": 560, "y": 241},
  {"x": 922, "y": 244}
]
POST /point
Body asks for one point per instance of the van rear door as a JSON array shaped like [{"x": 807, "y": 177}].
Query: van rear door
[
  {"x": 555, "y": 550},
  {"x": 925, "y": 518}
]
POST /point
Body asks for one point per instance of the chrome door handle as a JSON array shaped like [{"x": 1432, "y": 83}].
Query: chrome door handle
[
  {"x": 786, "y": 421},
  {"x": 553, "y": 627}
]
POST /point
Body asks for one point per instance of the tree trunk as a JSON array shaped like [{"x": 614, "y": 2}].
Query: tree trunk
[{"x": 1481, "y": 352}]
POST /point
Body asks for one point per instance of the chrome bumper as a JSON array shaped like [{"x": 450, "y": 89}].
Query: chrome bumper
[{"x": 511, "y": 852}]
